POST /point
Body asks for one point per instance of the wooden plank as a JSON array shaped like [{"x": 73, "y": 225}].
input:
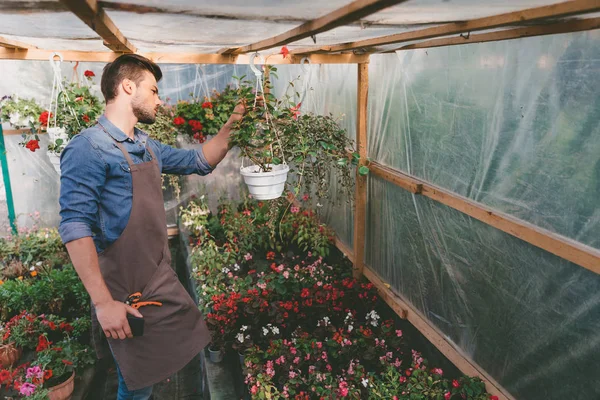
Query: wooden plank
[
  {"x": 15, "y": 44},
  {"x": 9, "y": 132},
  {"x": 551, "y": 29},
  {"x": 561, "y": 246},
  {"x": 342, "y": 16},
  {"x": 360, "y": 198},
  {"x": 94, "y": 16},
  {"x": 437, "y": 338},
  {"x": 178, "y": 58},
  {"x": 560, "y": 10},
  {"x": 406, "y": 183}
]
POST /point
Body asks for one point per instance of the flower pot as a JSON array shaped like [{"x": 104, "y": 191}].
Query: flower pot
[
  {"x": 9, "y": 355},
  {"x": 55, "y": 161},
  {"x": 64, "y": 390},
  {"x": 215, "y": 356},
  {"x": 265, "y": 185},
  {"x": 242, "y": 358}
]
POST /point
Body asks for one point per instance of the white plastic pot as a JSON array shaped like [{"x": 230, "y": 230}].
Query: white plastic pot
[
  {"x": 55, "y": 161},
  {"x": 265, "y": 185}
]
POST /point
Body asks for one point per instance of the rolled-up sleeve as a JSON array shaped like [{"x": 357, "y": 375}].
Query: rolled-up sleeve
[
  {"x": 83, "y": 175},
  {"x": 182, "y": 161}
]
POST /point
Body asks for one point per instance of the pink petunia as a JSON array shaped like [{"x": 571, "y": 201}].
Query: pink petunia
[{"x": 27, "y": 389}]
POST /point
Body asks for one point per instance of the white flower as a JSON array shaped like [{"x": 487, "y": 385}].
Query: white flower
[
  {"x": 32, "y": 269},
  {"x": 14, "y": 118},
  {"x": 275, "y": 330},
  {"x": 240, "y": 337},
  {"x": 202, "y": 197},
  {"x": 265, "y": 331},
  {"x": 225, "y": 270},
  {"x": 365, "y": 382},
  {"x": 236, "y": 267},
  {"x": 243, "y": 328},
  {"x": 350, "y": 327}
]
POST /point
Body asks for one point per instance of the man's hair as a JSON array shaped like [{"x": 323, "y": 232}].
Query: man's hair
[{"x": 127, "y": 66}]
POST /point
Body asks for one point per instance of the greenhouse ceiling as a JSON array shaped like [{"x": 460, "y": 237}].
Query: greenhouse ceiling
[{"x": 185, "y": 31}]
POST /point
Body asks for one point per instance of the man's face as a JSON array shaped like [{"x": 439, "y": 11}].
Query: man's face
[{"x": 145, "y": 102}]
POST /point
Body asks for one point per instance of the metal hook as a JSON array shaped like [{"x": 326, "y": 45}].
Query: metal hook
[
  {"x": 304, "y": 62},
  {"x": 256, "y": 71}
]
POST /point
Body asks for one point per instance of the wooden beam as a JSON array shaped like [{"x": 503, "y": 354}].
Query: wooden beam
[
  {"x": 94, "y": 16},
  {"x": 437, "y": 338},
  {"x": 15, "y": 44},
  {"x": 27, "y": 131},
  {"x": 406, "y": 183},
  {"x": 360, "y": 198},
  {"x": 560, "y": 10},
  {"x": 558, "y": 245},
  {"x": 178, "y": 58},
  {"x": 342, "y": 16},
  {"x": 551, "y": 29}
]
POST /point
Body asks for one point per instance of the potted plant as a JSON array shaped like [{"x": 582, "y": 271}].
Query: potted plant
[
  {"x": 20, "y": 114},
  {"x": 278, "y": 139},
  {"x": 76, "y": 109}
]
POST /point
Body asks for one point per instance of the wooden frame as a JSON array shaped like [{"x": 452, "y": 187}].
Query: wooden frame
[
  {"x": 14, "y": 44},
  {"x": 360, "y": 198},
  {"x": 558, "y": 245},
  {"x": 339, "y": 17},
  {"x": 94, "y": 16},
  {"x": 560, "y": 10},
  {"x": 179, "y": 58}
]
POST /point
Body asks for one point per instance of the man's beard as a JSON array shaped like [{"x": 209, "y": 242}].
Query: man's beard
[{"x": 144, "y": 115}]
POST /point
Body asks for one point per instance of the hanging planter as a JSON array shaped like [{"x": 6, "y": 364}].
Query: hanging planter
[
  {"x": 265, "y": 185},
  {"x": 58, "y": 139},
  {"x": 215, "y": 356},
  {"x": 9, "y": 355},
  {"x": 63, "y": 391}
]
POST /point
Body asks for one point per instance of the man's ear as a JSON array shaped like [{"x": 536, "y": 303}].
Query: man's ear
[{"x": 128, "y": 86}]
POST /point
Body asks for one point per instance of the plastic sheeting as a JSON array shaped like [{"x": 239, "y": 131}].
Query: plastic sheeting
[
  {"x": 206, "y": 27},
  {"x": 513, "y": 125}
]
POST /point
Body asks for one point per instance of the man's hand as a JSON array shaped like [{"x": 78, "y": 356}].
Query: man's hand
[
  {"x": 238, "y": 112},
  {"x": 112, "y": 316}
]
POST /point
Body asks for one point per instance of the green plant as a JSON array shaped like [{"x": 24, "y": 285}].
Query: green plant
[
  {"x": 77, "y": 109},
  {"x": 63, "y": 358},
  {"x": 21, "y": 113},
  {"x": 313, "y": 146}
]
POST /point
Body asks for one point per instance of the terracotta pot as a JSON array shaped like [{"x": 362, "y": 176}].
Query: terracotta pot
[
  {"x": 9, "y": 355},
  {"x": 64, "y": 391}
]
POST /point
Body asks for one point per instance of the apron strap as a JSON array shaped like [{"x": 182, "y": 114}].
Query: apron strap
[{"x": 125, "y": 152}]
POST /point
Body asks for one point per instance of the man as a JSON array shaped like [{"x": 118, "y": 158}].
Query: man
[{"x": 114, "y": 226}]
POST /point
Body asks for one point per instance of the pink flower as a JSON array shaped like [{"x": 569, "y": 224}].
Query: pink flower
[
  {"x": 305, "y": 197},
  {"x": 402, "y": 379},
  {"x": 254, "y": 389},
  {"x": 447, "y": 396},
  {"x": 248, "y": 257},
  {"x": 27, "y": 389},
  {"x": 246, "y": 212},
  {"x": 34, "y": 372},
  {"x": 455, "y": 383},
  {"x": 398, "y": 333},
  {"x": 292, "y": 374},
  {"x": 296, "y": 360},
  {"x": 295, "y": 111},
  {"x": 286, "y": 274},
  {"x": 295, "y": 210},
  {"x": 438, "y": 371}
]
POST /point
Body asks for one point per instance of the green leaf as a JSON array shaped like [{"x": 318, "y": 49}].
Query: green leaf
[{"x": 363, "y": 170}]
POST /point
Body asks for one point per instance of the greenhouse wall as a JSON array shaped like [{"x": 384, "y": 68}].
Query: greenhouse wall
[{"x": 513, "y": 125}]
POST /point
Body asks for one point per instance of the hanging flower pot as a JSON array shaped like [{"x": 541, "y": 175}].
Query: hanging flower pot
[
  {"x": 58, "y": 140},
  {"x": 265, "y": 185},
  {"x": 63, "y": 391},
  {"x": 9, "y": 355}
]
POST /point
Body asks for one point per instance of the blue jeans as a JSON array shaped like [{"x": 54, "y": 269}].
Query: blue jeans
[{"x": 126, "y": 394}]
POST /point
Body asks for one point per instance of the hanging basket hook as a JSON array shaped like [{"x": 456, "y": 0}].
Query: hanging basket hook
[
  {"x": 256, "y": 71},
  {"x": 304, "y": 63}
]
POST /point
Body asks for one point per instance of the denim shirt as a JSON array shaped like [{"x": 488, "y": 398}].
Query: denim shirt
[{"x": 96, "y": 191}]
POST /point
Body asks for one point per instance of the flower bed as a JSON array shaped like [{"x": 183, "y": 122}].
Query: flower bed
[
  {"x": 270, "y": 289},
  {"x": 44, "y": 315}
]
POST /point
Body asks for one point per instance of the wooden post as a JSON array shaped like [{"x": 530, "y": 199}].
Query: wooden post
[{"x": 360, "y": 198}]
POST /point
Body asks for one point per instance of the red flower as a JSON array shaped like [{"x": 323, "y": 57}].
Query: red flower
[
  {"x": 447, "y": 396},
  {"x": 295, "y": 111},
  {"x": 407, "y": 372},
  {"x": 455, "y": 383},
  {"x": 47, "y": 374},
  {"x": 67, "y": 362},
  {"x": 493, "y": 397},
  {"x": 4, "y": 376},
  {"x": 33, "y": 145},
  {"x": 85, "y": 118},
  {"x": 270, "y": 255},
  {"x": 44, "y": 118},
  {"x": 66, "y": 327},
  {"x": 196, "y": 125},
  {"x": 43, "y": 343},
  {"x": 207, "y": 104},
  {"x": 179, "y": 121},
  {"x": 89, "y": 73},
  {"x": 285, "y": 51},
  {"x": 52, "y": 325}
]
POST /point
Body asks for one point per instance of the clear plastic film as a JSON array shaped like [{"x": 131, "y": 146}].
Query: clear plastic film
[{"x": 513, "y": 125}]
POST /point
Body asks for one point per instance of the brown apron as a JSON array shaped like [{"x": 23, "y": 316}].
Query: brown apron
[{"x": 140, "y": 261}]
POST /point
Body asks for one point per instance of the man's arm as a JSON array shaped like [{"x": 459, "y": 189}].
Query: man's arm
[{"x": 216, "y": 149}]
